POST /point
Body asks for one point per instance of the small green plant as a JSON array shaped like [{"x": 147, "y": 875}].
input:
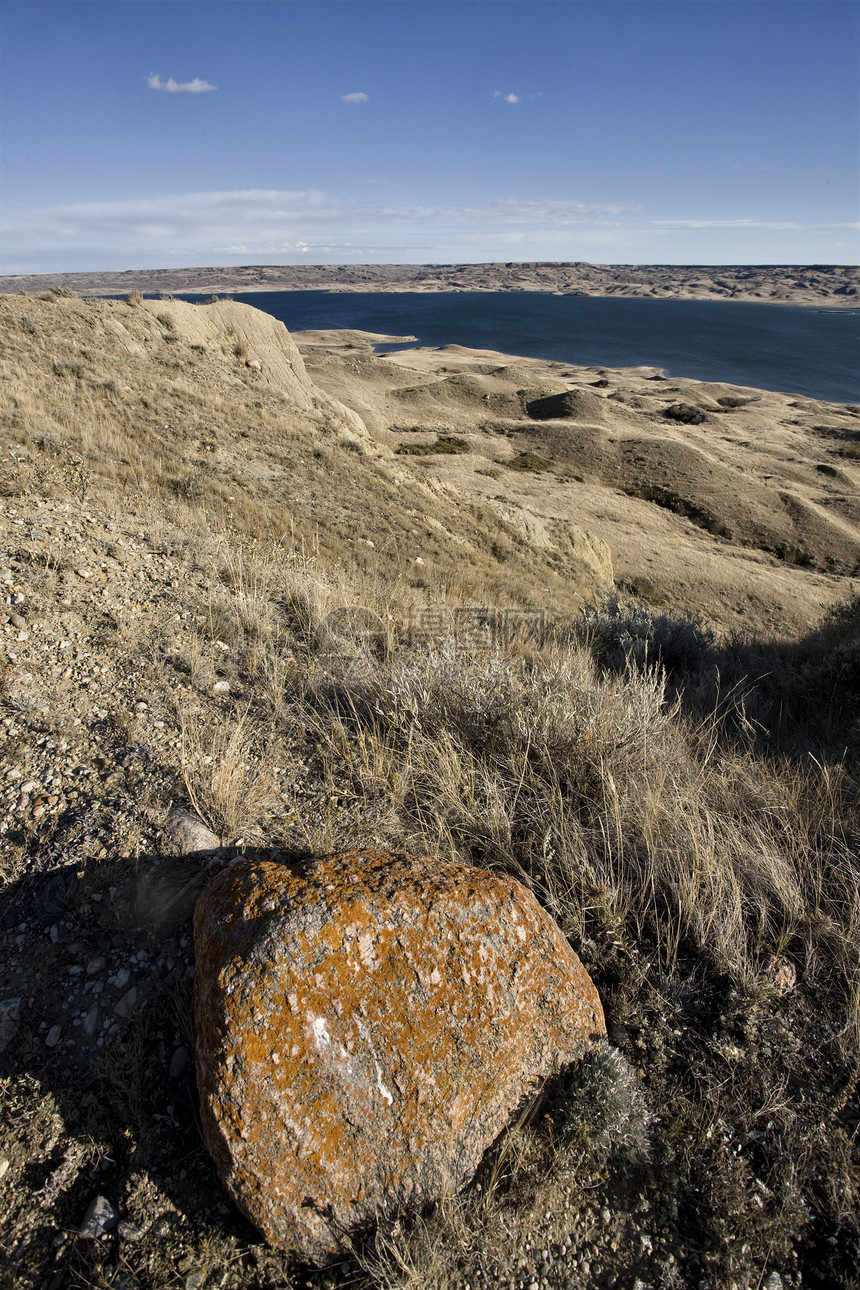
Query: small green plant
[
  {"x": 601, "y": 1107},
  {"x": 446, "y": 444},
  {"x": 352, "y": 444},
  {"x": 70, "y": 367},
  {"x": 527, "y": 461}
]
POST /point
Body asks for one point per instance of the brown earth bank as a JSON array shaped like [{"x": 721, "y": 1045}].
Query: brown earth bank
[
  {"x": 836, "y": 286},
  {"x": 584, "y": 627}
]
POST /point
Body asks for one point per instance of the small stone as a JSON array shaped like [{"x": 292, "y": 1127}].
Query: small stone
[
  {"x": 101, "y": 1217},
  {"x": 53, "y": 1037},
  {"x": 189, "y": 833},
  {"x": 605, "y": 1216},
  {"x": 129, "y": 1230},
  {"x": 221, "y": 687},
  {"x": 178, "y": 1063},
  {"x": 772, "y": 1282},
  {"x": 10, "y": 1013},
  {"x": 91, "y": 1020},
  {"x": 195, "y": 1280},
  {"x": 127, "y": 1003},
  {"x": 4, "y": 1168},
  {"x": 122, "y": 978},
  {"x": 17, "y": 621},
  {"x": 783, "y": 975},
  {"x": 125, "y": 1281},
  {"x": 95, "y": 964}
]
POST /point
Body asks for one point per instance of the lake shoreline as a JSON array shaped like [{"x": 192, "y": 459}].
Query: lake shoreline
[{"x": 807, "y": 351}]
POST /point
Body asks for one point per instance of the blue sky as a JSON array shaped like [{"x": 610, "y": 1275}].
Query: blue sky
[{"x": 145, "y": 134}]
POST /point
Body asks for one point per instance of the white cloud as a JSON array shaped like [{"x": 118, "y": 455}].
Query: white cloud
[
  {"x": 170, "y": 86},
  {"x": 357, "y": 96},
  {"x": 506, "y": 98},
  {"x": 288, "y": 226}
]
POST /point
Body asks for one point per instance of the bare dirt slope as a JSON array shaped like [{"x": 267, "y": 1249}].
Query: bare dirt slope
[
  {"x": 820, "y": 284},
  {"x": 745, "y": 510}
]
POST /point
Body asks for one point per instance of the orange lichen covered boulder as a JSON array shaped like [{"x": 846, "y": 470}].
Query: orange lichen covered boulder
[{"x": 366, "y": 1027}]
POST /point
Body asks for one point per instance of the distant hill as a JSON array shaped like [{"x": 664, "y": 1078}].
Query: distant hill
[{"x": 830, "y": 284}]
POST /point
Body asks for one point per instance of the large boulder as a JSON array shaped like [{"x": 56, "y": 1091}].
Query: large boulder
[{"x": 366, "y": 1027}]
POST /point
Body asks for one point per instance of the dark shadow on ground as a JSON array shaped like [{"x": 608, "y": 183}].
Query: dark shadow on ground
[{"x": 96, "y": 1063}]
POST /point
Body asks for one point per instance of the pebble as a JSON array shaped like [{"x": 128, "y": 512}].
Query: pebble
[
  {"x": 127, "y": 1003},
  {"x": 53, "y": 1037},
  {"x": 10, "y": 1013},
  {"x": 4, "y": 1168},
  {"x": 101, "y": 1217},
  {"x": 221, "y": 687},
  {"x": 129, "y": 1230},
  {"x": 178, "y": 1062}
]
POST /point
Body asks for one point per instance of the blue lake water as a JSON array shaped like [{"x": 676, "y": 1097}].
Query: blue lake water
[{"x": 807, "y": 351}]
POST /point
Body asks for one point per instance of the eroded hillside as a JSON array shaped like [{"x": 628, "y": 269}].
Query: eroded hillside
[
  {"x": 211, "y": 405},
  {"x": 739, "y": 504}
]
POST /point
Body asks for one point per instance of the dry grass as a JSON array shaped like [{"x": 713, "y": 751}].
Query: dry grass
[
  {"x": 682, "y": 835},
  {"x": 226, "y": 771}
]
